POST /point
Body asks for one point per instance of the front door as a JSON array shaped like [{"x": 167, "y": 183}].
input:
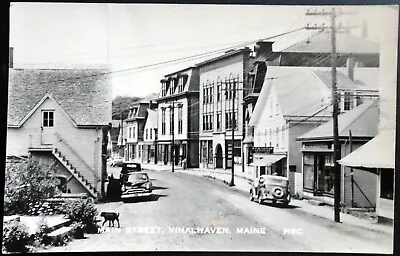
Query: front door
[
  {"x": 47, "y": 127},
  {"x": 218, "y": 157}
]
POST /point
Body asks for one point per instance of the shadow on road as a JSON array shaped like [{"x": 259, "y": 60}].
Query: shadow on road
[
  {"x": 281, "y": 206},
  {"x": 159, "y": 188},
  {"x": 151, "y": 198}
]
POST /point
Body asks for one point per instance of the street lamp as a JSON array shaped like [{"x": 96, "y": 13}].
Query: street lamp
[{"x": 172, "y": 109}]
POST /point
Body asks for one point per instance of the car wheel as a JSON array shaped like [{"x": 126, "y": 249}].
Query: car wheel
[{"x": 251, "y": 196}]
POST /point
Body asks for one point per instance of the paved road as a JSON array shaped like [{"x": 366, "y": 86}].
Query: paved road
[{"x": 182, "y": 201}]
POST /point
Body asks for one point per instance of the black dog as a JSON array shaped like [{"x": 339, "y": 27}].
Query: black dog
[{"x": 110, "y": 217}]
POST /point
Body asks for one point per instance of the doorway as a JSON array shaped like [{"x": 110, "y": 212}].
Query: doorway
[{"x": 218, "y": 156}]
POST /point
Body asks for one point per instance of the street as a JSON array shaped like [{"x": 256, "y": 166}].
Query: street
[{"x": 194, "y": 213}]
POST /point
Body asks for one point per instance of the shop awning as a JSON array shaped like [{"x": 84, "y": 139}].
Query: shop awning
[
  {"x": 377, "y": 153},
  {"x": 267, "y": 160}
]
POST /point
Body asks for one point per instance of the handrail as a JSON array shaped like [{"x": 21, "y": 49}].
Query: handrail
[{"x": 60, "y": 139}]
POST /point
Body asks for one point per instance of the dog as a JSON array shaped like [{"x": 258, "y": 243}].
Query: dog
[{"x": 110, "y": 217}]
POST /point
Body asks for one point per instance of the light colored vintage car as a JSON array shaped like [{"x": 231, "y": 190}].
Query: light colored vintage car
[
  {"x": 135, "y": 184},
  {"x": 270, "y": 188}
]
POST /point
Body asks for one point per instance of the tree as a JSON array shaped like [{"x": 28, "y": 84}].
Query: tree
[
  {"x": 121, "y": 103},
  {"x": 30, "y": 182}
]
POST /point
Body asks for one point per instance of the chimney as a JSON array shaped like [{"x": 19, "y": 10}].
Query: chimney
[
  {"x": 11, "y": 57},
  {"x": 364, "y": 29},
  {"x": 263, "y": 49},
  {"x": 350, "y": 67}
]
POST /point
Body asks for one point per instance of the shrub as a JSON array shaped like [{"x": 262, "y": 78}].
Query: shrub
[
  {"x": 25, "y": 183},
  {"x": 16, "y": 237},
  {"x": 82, "y": 211}
]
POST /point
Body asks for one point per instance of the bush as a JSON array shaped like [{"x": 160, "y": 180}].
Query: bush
[
  {"x": 25, "y": 183},
  {"x": 16, "y": 237},
  {"x": 82, "y": 211}
]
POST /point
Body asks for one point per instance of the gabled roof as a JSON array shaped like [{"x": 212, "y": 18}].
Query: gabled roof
[
  {"x": 345, "y": 43},
  {"x": 362, "y": 121},
  {"x": 84, "y": 94},
  {"x": 303, "y": 91},
  {"x": 292, "y": 85}
]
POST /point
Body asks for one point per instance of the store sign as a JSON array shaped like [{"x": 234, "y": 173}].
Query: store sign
[{"x": 263, "y": 150}]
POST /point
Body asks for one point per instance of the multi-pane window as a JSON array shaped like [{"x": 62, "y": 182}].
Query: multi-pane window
[
  {"x": 48, "y": 119},
  {"x": 164, "y": 89},
  {"x": 151, "y": 133},
  {"x": 180, "y": 122},
  {"x": 180, "y": 84},
  {"x": 207, "y": 122},
  {"x": 133, "y": 132},
  {"x": 348, "y": 101},
  {"x": 171, "y": 121},
  {"x": 163, "y": 121},
  {"x": 230, "y": 119},
  {"x": 171, "y": 86},
  {"x": 219, "y": 120},
  {"x": 147, "y": 133},
  {"x": 230, "y": 89},
  {"x": 219, "y": 89}
]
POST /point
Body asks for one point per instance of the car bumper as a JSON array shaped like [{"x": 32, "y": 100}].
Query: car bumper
[
  {"x": 279, "y": 200},
  {"x": 136, "y": 194}
]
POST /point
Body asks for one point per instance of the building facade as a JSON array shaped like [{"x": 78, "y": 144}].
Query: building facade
[
  {"x": 65, "y": 123},
  {"x": 358, "y": 188},
  {"x": 177, "y": 118},
  {"x": 286, "y": 110},
  {"x": 150, "y": 137},
  {"x": 223, "y": 82},
  {"x": 378, "y": 155}
]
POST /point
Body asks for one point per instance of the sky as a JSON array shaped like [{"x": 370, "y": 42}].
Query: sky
[{"x": 130, "y": 36}]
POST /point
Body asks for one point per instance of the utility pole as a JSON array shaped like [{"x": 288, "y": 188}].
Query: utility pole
[
  {"x": 232, "y": 183},
  {"x": 173, "y": 136},
  {"x": 335, "y": 112},
  {"x": 351, "y": 170}
]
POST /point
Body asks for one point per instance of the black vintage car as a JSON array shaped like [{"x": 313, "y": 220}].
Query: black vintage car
[{"x": 136, "y": 184}]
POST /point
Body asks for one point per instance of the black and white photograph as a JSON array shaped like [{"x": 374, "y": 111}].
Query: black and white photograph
[{"x": 200, "y": 127}]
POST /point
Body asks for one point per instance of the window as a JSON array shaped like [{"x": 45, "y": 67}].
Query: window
[
  {"x": 180, "y": 122},
  {"x": 219, "y": 117},
  {"x": 163, "y": 121},
  {"x": 219, "y": 89},
  {"x": 48, "y": 119},
  {"x": 171, "y": 86},
  {"x": 348, "y": 101},
  {"x": 308, "y": 168},
  {"x": 227, "y": 90},
  {"x": 130, "y": 132},
  {"x": 180, "y": 84},
  {"x": 230, "y": 119},
  {"x": 210, "y": 99},
  {"x": 147, "y": 133},
  {"x": 387, "y": 179},
  {"x": 133, "y": 132},
  {"x": 164, "y": 89},
  {"x": 277, "y": 137},
  {"x": 171, "y": 121},
  {"x": 151, "y": 133}
]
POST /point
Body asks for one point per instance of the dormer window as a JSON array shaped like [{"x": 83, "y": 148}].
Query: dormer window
[
  {"x": 347, "y": 101},
  {"x": 164, "y": 88},
  {"x": 171, "y": 86},
  {"x": 180, "y": 84}
]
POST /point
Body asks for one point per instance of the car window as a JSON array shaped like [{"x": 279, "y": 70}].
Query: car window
[{"x": 137, "y": 177}]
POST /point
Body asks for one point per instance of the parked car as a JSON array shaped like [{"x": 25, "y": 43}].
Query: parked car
[
  {"x": 270, "y": 188},
  {"x": 136, "y": 184},
  {"x": 128, "y": 167}
]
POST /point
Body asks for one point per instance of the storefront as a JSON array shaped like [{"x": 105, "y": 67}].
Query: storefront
[
  {"x": 206, "y": 157},
  {"x": 149, "y": 152},
  {"x": 318, "y": 174},
  {"x": 266, "y": 162},
  {"x": 378, "y": 155}
]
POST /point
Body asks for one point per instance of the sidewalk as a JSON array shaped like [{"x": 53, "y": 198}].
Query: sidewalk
[{"x": 242, "y": 184}]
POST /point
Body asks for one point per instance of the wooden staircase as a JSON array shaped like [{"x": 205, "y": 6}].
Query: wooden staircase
[{"x": 82, "y": 175}]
